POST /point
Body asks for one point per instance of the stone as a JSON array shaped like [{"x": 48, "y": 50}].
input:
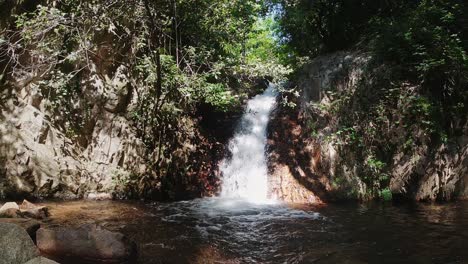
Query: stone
[
  {"x": 31, "y": 226},
  {"x": 10, "y": 205},
  {"x": 87, "y": 243},
  {"x": 31, "y": 210},
  {"x": 16, "y": 247},
  {"x": 10, "y": 213},
  {"x": 99, "y": 196},
  {"x": 302, "y": 166},
  {"x": 41, "y": 260},
  {"x": 42, "y": 162},
  {"x": 27, "y": 205}
]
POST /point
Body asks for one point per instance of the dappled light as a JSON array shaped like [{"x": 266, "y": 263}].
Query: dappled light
[{"x": 233, "y": 131}]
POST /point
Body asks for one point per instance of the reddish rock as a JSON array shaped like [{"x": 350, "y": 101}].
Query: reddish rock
[{"x": 88, "y": 243}]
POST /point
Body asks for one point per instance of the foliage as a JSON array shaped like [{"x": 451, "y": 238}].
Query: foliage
[
  {"x": 413, "y": 93},
  {"x": 429, "y": 46},
  {"x": 425, "y": 41},
  {"x": 171, "y": 56},
  {"x": 314, "y": 27}
]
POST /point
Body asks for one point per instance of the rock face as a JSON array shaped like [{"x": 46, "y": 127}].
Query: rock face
[
  {"x": 440, "y": 176},
  {"x": 16, "y": 247},
  {"x": 304, "y": 167},
  {"x": 290, "y": 177},
  {"x": 321, "y": 162},
  {"x": 84, "y": 139},
  {"x": 89, "y": 243},
  {"x": 41, "y": 161}
]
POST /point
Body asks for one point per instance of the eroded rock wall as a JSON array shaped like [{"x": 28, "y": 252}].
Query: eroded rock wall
[
  {"x": 316, "y": 155},
  {"x": 40, "y": 160}
]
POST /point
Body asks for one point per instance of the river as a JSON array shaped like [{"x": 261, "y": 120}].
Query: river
[
  {"x": 243, "y": 226},
  {"x": 214, "y": 230}
]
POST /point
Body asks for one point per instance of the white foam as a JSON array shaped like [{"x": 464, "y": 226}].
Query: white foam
[{"x": 245, "y": 173}]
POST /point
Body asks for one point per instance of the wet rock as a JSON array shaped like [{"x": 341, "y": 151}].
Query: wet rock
[
  {"x": 88, "y": 243},
  {"x": 41, "y": 260},
  {"x": 31, "y": 226},
  {"x": 10, "y": 213},
  {"x": 16, "y": 247},
  {"x": 31, "y": 210}
]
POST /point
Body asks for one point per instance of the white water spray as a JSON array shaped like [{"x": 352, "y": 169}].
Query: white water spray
[{"x": 245, "y": 173}]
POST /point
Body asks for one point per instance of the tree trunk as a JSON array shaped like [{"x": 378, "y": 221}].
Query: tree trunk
[{"x": 153, "y": 24}]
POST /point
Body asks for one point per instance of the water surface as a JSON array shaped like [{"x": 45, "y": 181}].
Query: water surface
[{"x": 215, "y": 230}]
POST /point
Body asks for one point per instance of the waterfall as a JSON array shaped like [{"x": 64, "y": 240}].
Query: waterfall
[{"x": 245, "y": 171}]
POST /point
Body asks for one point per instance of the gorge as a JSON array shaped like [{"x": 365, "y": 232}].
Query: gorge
[{"x": 233, "y": 131}]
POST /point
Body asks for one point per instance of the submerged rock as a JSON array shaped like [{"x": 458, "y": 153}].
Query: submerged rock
[
  {"x": 88, "y": 243},
  {"x": 16, "y": 247}
]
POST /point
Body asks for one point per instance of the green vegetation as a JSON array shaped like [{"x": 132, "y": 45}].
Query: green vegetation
[
  {"x": 160, "y": 64},
  {"x": 414, "y": 91},
  {"x": 165, "y": 58}
]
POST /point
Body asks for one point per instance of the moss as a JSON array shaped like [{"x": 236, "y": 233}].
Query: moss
[{"x": 386, "y": 194}]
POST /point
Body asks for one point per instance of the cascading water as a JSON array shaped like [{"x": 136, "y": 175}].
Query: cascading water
[{"x": 245, "y": 172}]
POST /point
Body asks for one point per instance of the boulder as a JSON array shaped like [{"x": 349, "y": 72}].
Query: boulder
[
  {"x": 31, "y": 226},
  {"x": 41, "y": 260},
  {"x": 10, "y": 213},
  {"x": 88, "y": 243},
  {"x": 10, "y": 210},
  {"x": 27, "y": 205},
  {"x": 16, "y": 247},
  {"x": 31, "y": 210},
  {"x": 10, "y": 205}
]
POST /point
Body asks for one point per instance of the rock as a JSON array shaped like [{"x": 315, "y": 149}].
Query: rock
[
  {"x": 10, "y": 210},
  {"x": 41, "y": 161},
  {"x": 31, "y": 226},
  {"x": 38, "y": 213},
  {"x": 86, "y": 243},
  {"x": 99, "y": 196},
  {"x": 27, "y": 205},
  {"x": 41, "y": 260},
  {"x": 31, "y": 210},
  {"x": 10, "y": 205},
  {"x": 10, "y": 213},
  {"x": 16, "y": 247}
]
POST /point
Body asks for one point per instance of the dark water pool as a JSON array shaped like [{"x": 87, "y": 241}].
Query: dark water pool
[{"x": 231, "y": 231}]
